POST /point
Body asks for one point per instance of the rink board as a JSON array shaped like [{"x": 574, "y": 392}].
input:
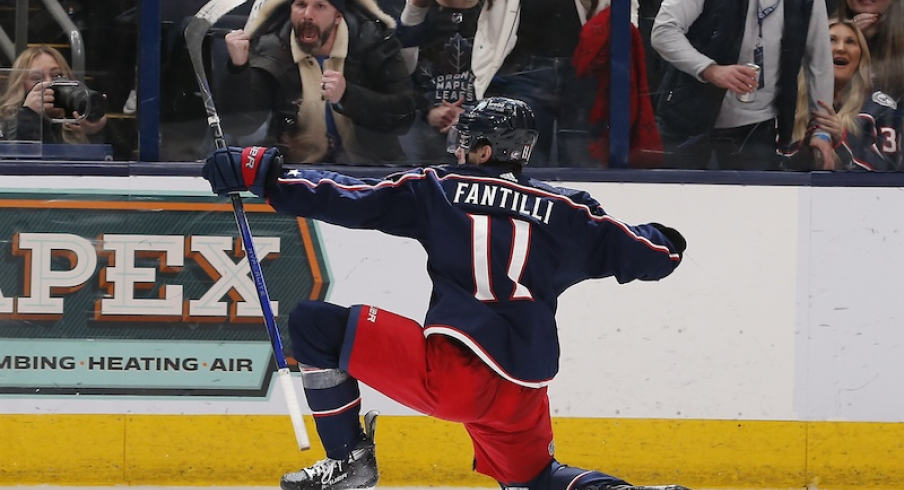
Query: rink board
[
  {"x": 770, "y": 359},
  {"x": 419, "y": 451}
]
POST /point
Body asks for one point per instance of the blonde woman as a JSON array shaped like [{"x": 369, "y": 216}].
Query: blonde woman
[
  {"x": 882, "y": 23},
  {"x": 863, "y": 124},
  {"x": 27, "y": 106}
]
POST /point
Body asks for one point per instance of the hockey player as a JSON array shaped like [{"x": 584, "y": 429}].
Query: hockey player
[{"x": 501, "y": 248}]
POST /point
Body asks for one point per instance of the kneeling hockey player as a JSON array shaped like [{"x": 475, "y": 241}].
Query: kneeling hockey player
[{"x": 501, "y": 248}]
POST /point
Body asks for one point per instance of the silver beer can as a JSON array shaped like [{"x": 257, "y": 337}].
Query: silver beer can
[{"x": 751, "y": 96}]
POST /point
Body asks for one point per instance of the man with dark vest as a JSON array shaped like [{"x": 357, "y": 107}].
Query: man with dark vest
[{"x": 715, "y": 110}]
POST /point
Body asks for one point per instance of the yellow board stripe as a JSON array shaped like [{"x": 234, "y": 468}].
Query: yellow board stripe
[{"x": 255, "y": 450}]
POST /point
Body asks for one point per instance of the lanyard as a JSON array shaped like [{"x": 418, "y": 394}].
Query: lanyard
[{"x": 762, "y": 13}]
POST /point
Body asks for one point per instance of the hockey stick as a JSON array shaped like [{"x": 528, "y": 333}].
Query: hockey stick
[
  {"x": 251, "y": 23},
  {"x": 194, "y": 37}
]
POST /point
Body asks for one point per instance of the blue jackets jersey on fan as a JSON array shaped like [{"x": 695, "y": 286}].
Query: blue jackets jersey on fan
[
  {"x": 876, "y": 146},
  {"x": 467, "y": 217}
]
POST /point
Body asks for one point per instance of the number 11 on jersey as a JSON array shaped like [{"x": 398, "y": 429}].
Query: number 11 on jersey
[{"x": 480, "y": 256}]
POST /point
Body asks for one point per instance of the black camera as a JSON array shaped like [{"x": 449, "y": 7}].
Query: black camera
[{"x": 73, "y": 95}]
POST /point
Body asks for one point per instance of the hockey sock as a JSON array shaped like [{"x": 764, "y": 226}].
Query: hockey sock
[{"x": 335, "y": 402}]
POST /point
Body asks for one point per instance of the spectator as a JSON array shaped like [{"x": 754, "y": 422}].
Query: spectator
[
  {"x": 709, "y": 44},
  {"x": 863, "y": 124},
  {"x": 29, "y": 110},
  {"x": 882, "y": 23},
  {"x": 524, "y": 50},
  {"x": 442, "y": 33},
  {"x": 327, "y": 76},
  {"x": 591, "y": 58}
]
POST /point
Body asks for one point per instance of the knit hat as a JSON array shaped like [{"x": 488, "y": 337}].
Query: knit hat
[{"x": 338, "y": 5}]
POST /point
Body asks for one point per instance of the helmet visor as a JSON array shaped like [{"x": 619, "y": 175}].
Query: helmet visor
[{"x": 456, "y": 139}]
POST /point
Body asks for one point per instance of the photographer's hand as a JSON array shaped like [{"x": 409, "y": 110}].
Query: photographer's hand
[
  {"x": 39, "y": 99},
  {"x": 89, "y": 127}
]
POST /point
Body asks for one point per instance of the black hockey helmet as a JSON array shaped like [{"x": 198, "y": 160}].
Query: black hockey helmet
[{"x": 507, "y": 125}]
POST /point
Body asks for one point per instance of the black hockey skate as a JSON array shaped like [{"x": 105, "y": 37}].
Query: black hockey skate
[{"x": 357, "y": 472}]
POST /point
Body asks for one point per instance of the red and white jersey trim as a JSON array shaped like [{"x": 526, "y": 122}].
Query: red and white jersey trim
[{"x": 475, "y": 348}]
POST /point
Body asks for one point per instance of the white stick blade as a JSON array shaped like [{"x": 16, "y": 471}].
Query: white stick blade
[
  {"x": 301, "y": 433},
  {"x": 214, "y": 9},
  {"x": 252, "y": 24}
]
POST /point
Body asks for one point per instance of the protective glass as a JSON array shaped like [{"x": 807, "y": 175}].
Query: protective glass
[{"x": 21, "y": 131}]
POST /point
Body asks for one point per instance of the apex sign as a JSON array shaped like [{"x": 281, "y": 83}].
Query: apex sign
[
  {"x": 146, "y": 263},
  {"x": 144, "y": 295},
  {"x": 113, "y": 262}
]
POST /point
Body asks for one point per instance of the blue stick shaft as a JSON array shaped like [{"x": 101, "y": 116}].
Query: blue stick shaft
[
  {"x": 245, "y": 230},
  {"x": 194, "y": 36}
]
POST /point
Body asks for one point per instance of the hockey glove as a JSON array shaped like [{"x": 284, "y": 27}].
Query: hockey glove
[
  {"x": 235, "y": 169},
  {"x": 679, "y": 244}
]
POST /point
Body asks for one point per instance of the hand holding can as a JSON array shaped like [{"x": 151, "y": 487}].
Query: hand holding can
[{"x": 751, "y": 96}]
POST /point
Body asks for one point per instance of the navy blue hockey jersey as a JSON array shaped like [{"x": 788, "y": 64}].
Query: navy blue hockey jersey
[
  {"x": 877, "y": 146},
  {"x": 501, "y": 248}
]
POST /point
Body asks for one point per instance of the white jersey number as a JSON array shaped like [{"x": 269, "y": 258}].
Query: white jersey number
[
  {"x": 890, "y": 143},
  {"x": 480, "y": 258}
]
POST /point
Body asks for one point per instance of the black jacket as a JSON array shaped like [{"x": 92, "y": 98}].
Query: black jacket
[
  {"x": 379, "y": 98},
  {"x": 689, "y": 107}
]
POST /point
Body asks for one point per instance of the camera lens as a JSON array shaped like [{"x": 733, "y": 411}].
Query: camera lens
[{"x": 72, "y": 95}]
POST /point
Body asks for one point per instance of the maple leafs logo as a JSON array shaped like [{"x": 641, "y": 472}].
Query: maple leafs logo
[{"x": 457, "y": 55}]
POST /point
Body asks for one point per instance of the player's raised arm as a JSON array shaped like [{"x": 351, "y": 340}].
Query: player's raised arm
[{"x": 380, "y": 204}]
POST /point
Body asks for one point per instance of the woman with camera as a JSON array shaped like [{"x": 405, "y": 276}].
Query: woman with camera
[{"x": 42, "y": 102}]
